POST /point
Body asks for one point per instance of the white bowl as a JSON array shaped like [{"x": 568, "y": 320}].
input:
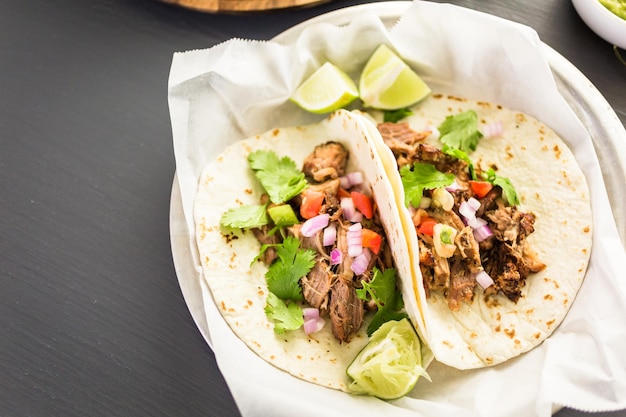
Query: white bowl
[{"x": 602, "y": 21}]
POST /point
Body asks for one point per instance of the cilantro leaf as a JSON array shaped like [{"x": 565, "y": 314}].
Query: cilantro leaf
[
  {"x": 245, "y": 217},
  {"x": 422, "y": 176},
  {"x": 382, "y": 290},
  {"x": 285, "y": 316},
  {"x": 394, "y": 115},
  {"x": 460, "y": 131},
  {"x": 279, "y": 177},
  {"x": 283, "y": 276},
  {"x": 462, "y": 155},
  {"x": 508, "y": 190}
]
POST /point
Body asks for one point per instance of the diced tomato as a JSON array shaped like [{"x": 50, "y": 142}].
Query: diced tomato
[
  {"x": 363, "y": 203},
  {"x": 481, "y": 188},
  {"x": 426, "y": 226},
  {"x": 311, "y": 203},
  {"x": 371, "y": 240},
  {"x": 343, "y": 193}
]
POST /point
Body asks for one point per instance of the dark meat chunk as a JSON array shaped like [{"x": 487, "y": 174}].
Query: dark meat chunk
[
  {"x": 402, "y": 140},
  {"x": 346, "y": 310},
  {"x": 449, "y": 218},
  {"x": 511, "y": 225},
  {"x": 263, "y": 236},
  {"x": 327, "y": 161},
  {"x": 469, "y": 249},
  {"x": 443, "y": 162},
  {"x": 488, "y": 202},
  {"x": 314, "y": 242},
  {"x": 316, "y": 285},
  {"x": 462, "y": 285}
]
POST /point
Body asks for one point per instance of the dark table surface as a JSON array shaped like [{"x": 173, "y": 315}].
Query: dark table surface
[{"x": 92, "y": 319}]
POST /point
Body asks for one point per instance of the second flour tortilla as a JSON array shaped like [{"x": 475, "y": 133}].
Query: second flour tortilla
[{"x": 551, "y": 185}]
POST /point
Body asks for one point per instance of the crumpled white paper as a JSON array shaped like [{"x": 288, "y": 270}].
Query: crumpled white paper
[{"x": 240, "y": 88}]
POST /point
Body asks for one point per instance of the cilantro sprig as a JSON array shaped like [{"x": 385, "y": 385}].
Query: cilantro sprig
[
  {"x": 280, "y": 177},
  {"x": 286, "y": 316},
  {"x": 508, "y": 190},
  {"x": 382, "y": 290},
  {"x": 245, "y": 217},
  {"x": 283, "y": 275},
  {"x": 460, "y": 131},
  {"x": 422, "y": 177}
]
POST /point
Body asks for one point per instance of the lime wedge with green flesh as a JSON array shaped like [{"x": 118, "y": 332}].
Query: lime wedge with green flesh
[
  {"x": 388, "y": 83},
  {"x": 326, "y": 90},
  {"x": 390, "y": 364}
]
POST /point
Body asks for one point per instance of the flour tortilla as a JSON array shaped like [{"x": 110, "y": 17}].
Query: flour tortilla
[
  {"x": 552, "y": 186},
  {"x": 238, "y": 284}
]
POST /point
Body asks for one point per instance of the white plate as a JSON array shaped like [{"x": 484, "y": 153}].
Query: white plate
[{"x": 605, "y": 128}]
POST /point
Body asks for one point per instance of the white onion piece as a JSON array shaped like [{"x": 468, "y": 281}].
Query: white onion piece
[
  {"x": 344, "y": 182},
  {"x": 314, "y": 224},
  {"x": 442, "y": 198},
  {"x": 336, "y": 257},
  {"x": 425, "y": 202},
  {"x": 476, "y": 222},
  {"x": 483, "y": 279},
  {"x": 313, "y": 325},
  {"x": 434, "y": 132},
  {"x": 330, "y": 235}
]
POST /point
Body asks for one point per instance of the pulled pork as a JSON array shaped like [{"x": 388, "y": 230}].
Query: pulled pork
[
  {"x": 505, "y": 255},
  {"x": 331, "y": 288}
]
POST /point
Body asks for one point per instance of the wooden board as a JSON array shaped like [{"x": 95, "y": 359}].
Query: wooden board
[{"x": 216, "y": 6}]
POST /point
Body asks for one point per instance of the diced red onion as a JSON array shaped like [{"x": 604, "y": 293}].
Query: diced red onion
[
  {"x": 483, "y": 279},
  {"x": 354, "y": 238},
  {"x": 473, "y": 203},
  {"x": 336, "y": 257},
  {"x": 330, "y": 235},
  {"x": 350, "y": 179},
  {"x": 482, "y": 233},
  {"x": 314, "y": 224},
  {"x": 467, "y": 211},
  {"x": 492, "y": 130},
  {"x": 476, "y": 222},
  {"x": 313, "y": 325},
  {"x": 347, "y": 205},
  {"x": 453, "y": 187},
  {"x": 310, "y": 313},
  {"x": 360, "y": 263}
]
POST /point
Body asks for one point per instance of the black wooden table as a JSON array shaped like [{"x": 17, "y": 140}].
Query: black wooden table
[{"x": 92, "y": 319}]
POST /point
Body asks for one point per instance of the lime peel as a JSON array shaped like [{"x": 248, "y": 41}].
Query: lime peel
[
  {"x": 326, "y": 90},
  {"x": 388, "y": 83},
  {"x": 389, "y": 366}
]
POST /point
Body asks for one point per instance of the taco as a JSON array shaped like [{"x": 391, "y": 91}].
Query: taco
[
  {"x": 340, "y": 182},
  {"x": 499, "y": 234}
]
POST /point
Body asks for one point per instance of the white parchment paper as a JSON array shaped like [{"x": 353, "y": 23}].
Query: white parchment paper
[{"x": 241, "y": 87}]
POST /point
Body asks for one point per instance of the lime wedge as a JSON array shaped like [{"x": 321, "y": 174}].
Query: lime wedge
[
  {"x": 326, "y": 90},
  {"x": 388, "y": 83},
  {"x": 390, "y": 364}
]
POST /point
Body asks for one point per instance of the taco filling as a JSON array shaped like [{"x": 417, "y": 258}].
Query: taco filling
[
  {"x": 469, "y": 232},
  {"x": 334, "y": 228}
]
